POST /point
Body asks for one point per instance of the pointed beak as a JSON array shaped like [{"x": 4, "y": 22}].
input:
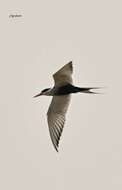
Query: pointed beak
[{"x": 38, "y": 95}]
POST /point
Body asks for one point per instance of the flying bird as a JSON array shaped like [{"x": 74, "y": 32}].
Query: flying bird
[{"x": 61, "y": 92}]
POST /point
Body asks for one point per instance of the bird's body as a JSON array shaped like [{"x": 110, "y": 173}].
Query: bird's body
[
  {"x": 65, "y": 90},
  {"x": 61, "y": 93}
]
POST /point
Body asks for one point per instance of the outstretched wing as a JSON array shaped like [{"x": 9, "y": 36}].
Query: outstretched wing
[
  {"x": 64, "y": 75},
  {"x": 56, "y": 117}
]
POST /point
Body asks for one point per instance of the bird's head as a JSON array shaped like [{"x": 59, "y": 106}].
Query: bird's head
[{"x": 44, "y": 92}]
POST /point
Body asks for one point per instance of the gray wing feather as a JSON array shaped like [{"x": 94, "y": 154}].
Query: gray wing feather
[
  {"x": 56, "y": 117},
  {"x": 64, "y": 75}
]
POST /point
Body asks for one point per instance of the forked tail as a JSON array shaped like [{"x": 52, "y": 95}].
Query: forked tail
[{"x": 89, "y": 90}]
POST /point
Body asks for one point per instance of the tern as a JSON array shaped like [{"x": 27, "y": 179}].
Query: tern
[{"x": 61, "y": 93}]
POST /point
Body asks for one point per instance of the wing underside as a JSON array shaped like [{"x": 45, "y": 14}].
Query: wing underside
[{"x": 56, "y": 117}]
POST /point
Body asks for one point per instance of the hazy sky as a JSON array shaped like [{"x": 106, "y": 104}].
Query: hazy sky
[{"x": 47, "y": 36}]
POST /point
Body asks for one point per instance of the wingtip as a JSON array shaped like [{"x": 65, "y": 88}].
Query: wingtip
[
  {"x": 57, "y": 150},
  {"x": 56, "y": 147},
  {"x": 70, "y": 62}
]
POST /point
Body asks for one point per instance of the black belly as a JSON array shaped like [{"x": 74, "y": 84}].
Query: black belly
[{"x": 66, "y": 89}]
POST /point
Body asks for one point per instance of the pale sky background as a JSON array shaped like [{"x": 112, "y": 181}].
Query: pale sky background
[{"x": 47, "y": 36}]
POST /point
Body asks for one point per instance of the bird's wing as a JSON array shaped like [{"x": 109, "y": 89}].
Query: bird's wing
[
  {"x": 56, "y": 117},
  {"x": 64, "y": 75}
]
